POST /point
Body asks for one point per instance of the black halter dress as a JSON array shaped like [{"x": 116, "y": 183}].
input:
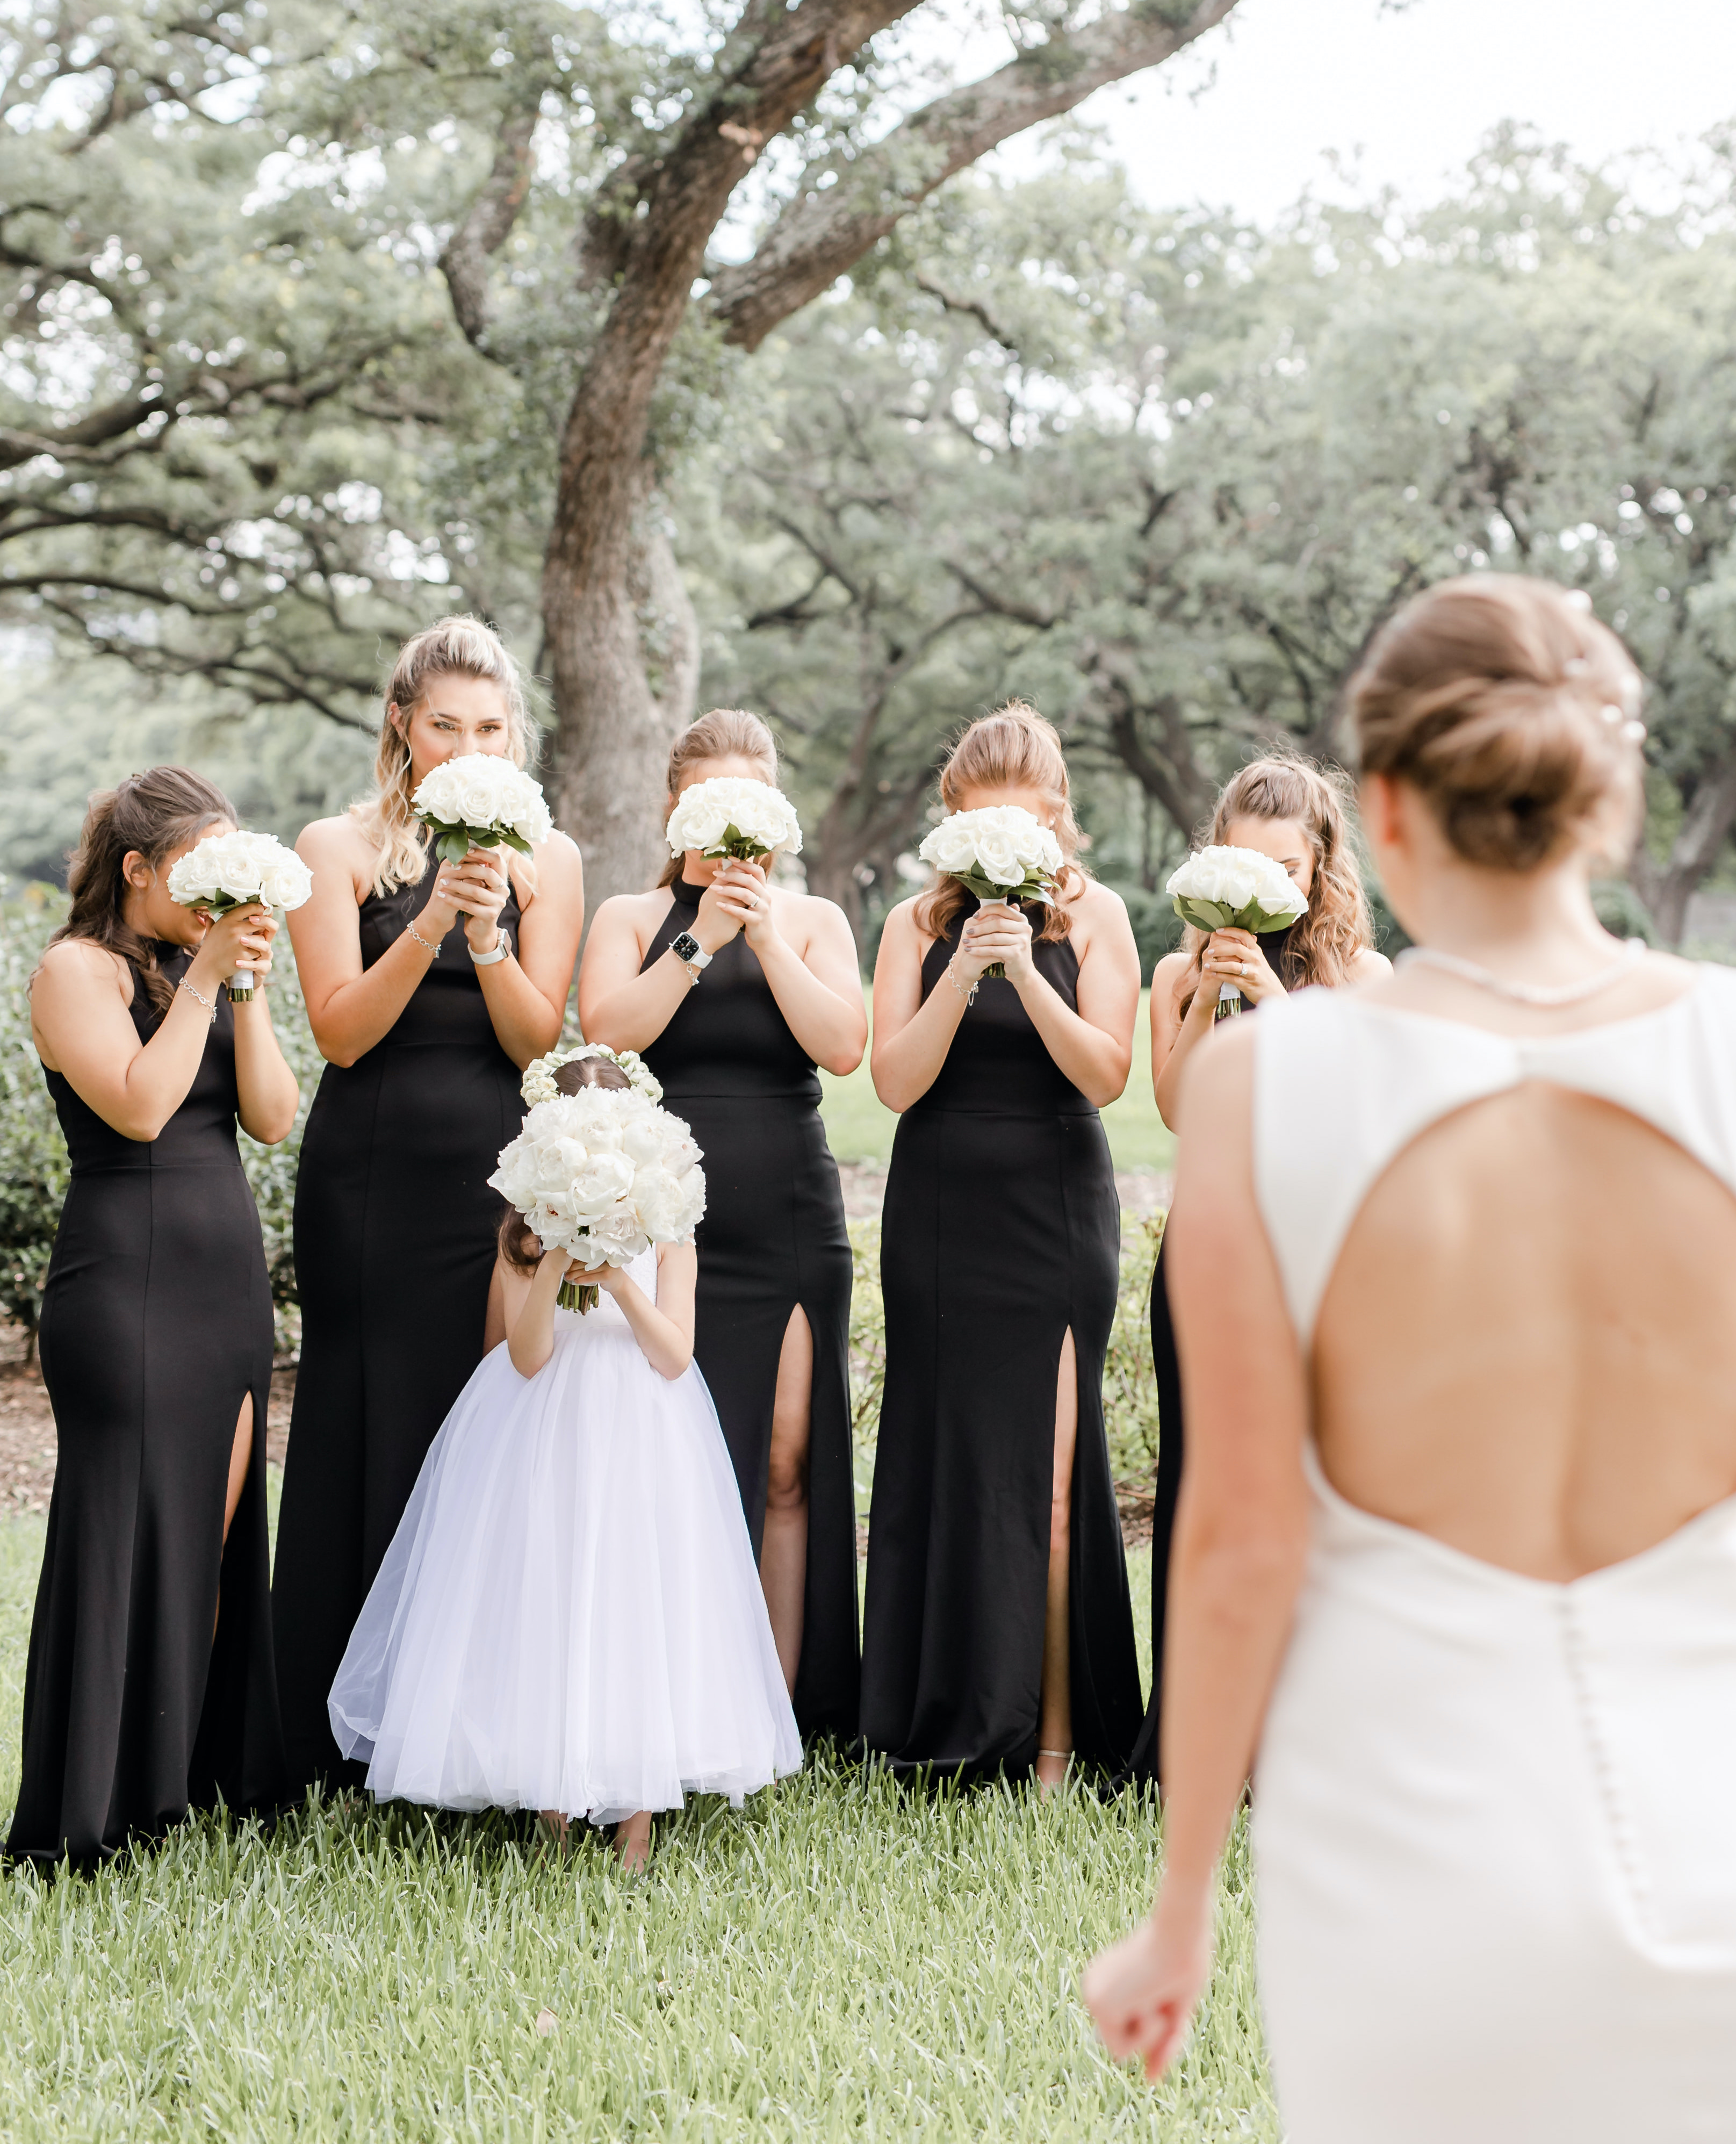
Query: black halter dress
[
  {"x": 773, "y": 1236},
  {"x": 1145, "y": 1764},
  {"x": 1001, "y": 1232},
  {"x": 157, "y": 1325},
  {"x": 395, "y": 1243}
]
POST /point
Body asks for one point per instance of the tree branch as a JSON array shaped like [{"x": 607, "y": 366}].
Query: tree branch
[
  {"x": 485, "y": 228},
  {"x": 819, "y": 234}
]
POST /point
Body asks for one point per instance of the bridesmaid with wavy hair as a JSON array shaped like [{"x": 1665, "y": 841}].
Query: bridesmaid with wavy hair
[
  {"x": 1290, "y": 810},
  {"x": 998, "y": 1631},
  {"x": 427, "y": 992},
  {"x": 734, "y": 988},
  {"x": 150, "y": 1686}
]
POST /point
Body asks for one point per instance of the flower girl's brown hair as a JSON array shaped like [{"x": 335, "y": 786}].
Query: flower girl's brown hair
[
  {"x": 519, "y": 1245},
  {"x": 1013, "y": 749}
]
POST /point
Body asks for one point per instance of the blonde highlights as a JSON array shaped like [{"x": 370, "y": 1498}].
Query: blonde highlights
[
  {"x": 1013, "y": 749},
  {"x": 455, "y": 647},
  {"x": 721, "y": 733}
]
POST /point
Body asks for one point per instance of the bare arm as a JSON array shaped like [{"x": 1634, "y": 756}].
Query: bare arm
[
  {"x": 1176, "y": 1035},
  {"x": 664, "y": 1329},
  {"x": 266, "y": 1091},
  {"x": 813, "y": 972},
  {"x": 1240, "y": 1552},
  {"x": 526, "y": 994},
  {"x": 1093, "y": 1047},
  {"x": 82, "y": 1029},
  {"x": 530, "y": 1317},
  {"x": 911, "y": 1037}
]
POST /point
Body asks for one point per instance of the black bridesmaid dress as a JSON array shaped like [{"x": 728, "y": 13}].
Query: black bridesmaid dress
[
  {"x": 773, "y": 1236},
  {"x": 1001, "y": 1230},
  {"x": 395, "y": 1243},
  {"x": 1145, "y": 1764},
  {"x": 157, "y": 1324}
]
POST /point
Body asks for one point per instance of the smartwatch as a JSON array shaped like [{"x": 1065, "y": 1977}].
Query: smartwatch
[
  {"x": 503, "y": 946},
  {"x": 688, "y": 950}
]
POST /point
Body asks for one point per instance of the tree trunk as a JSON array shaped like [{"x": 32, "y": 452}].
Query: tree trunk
[
  {"x": 623, "y": 648},
  {"x": 1667, "y": 888}
]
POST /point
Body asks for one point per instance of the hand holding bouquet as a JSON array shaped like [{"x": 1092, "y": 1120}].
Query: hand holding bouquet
[
  {"x": 731, "y": 816},
  {"x": 481, "y": 800},
  {"x": 1225, "y": 889},
  {"x": 603, "y": 1174},
  {"x": 237, "y": 870},
  {"x": 1000, "y": 852}
]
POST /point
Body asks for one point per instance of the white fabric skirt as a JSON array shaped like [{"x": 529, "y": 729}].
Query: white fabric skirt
[
  {"x": 1495, "y": 1830},
  {"x": 569, "y": 1616}
]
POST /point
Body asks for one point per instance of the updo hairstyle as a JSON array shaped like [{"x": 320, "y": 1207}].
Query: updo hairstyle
[
  {"x": 724, "y": 733},
  {"x": 518, "y": 1243},
  {"x": 1511, "y": 709},
  {"x": 156, "y": 813},
  {"x": 454, "y": 646},
  {"x": 1013, "y": 749}
]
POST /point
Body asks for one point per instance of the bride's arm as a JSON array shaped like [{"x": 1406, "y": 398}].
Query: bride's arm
[{"x": 1241, "y": 1547}]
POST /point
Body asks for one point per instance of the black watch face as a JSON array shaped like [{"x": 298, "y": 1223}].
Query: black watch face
[{"x": 684, "y": 946}]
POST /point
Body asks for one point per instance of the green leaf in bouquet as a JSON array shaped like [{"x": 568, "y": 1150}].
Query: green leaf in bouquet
[
  {"x": 452, "y": 848},
  {"x": 504, "y": 837},
  {"x": 1203, "y": 914}
]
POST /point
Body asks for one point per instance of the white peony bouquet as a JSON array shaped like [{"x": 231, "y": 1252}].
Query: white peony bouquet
[
  {"x": 481, "y": 800},
  {"x": 1000, "y": 852},
  {"x": 730, "y": 816},
  {"x": 603, "y": 1174},
  {"x": 1224, "y": 889},
  {"x": 230, "y": 870},
  {"x": 538, "y": 1085}
]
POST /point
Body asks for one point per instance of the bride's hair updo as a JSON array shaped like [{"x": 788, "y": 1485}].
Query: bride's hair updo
[
  {"x": 450, "y": 647},
  {"x": 724, "y": 733},
  {"x": 155, "y": 814},
  {"x": 1512, "y": 711},
  {"x": 1013, "y": 749},
  {"x": 519, "y": 1244}
]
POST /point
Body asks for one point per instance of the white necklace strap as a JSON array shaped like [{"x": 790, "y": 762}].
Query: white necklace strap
[{"x": 1528, "y": 994}]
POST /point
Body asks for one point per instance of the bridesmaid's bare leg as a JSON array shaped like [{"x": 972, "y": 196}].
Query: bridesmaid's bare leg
[
  {"x": 1055, "y": 1724},
  {"x": 241, "y": 1456},
  {"x": 784, "y": 1544},
  {"x": 633, "y": 1840}
]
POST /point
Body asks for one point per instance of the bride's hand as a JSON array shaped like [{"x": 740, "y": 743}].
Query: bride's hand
[
  {"x": 1238, "y": 957},
  {"x": 1143, "y": 1991},
  {"x": 997, "y": 933}
]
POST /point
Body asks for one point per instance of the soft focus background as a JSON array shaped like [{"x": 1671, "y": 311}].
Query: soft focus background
[{"x": 1150, "y": 414}]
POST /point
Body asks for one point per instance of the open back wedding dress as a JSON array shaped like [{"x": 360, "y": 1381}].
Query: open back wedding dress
[{"x": 1494, "y": 1817}]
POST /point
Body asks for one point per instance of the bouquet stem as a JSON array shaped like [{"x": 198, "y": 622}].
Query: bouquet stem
[
  {"x": 240, "y": 986},
  {"x": 1229, "y": 1002},
  {"x": 573, "y": 1297}
]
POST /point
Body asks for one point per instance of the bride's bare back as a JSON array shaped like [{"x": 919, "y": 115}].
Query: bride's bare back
[{"x": 1527, "y": 1347}]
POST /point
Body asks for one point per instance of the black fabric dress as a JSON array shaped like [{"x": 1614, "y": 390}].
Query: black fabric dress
[
  {"x": 773, "y": 1236},
  {"x": 157, "y": 1325},
  {"x": 1001, "y": 1229},
  {"x": 1145, "y": 1764},
  {"x": 395, "y": 1243}
]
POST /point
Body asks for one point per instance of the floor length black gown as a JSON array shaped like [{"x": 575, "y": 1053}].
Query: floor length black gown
[
  {"x": 395, "y": 1242},
  {"x": 1146, "y": 1763},
  {"x": 1001, "y": 1231},
  {"x": 773, "y": 1236},
  {"x": 157, "y": 1325}
]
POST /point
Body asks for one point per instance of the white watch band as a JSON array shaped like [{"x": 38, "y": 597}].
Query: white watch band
[
  {"x": 701, "y": 959},
  {"x": 503, "y": 946}
]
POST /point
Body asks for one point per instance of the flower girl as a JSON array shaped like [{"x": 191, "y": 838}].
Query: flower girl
[{"x": 569, "y": 1618}]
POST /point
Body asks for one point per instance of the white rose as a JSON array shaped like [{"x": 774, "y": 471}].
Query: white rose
[
  {"x": 998, "y": 857},
  {"x": 599, "y": 1182},
  {"x": 476, "y": 799}
]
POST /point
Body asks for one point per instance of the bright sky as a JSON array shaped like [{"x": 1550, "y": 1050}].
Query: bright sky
[{"x": 1410, "y": 92}]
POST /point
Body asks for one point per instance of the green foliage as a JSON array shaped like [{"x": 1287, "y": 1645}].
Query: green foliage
[
  {"x": 1157, "y": 928},
  {"x": 844, "y": 1960},
  {"x": 1129, "y": 1384}
]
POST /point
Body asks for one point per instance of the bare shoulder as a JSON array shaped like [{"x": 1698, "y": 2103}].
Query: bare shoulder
[
  {"x": 818, "y": 917},
  {"x": 633, "y": 915},
  {"x": 1169, "y": 975},
  {"x": 1370, "y": 966},
  {"x": 559, "y": 854},
  {"x": 900, "y": 928},
  {"x": 323, "y": 840},
  {"x": 82, "y": 964}
]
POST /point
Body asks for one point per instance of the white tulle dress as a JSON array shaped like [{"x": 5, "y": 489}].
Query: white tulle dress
[{"x": 569, "y": 1616}]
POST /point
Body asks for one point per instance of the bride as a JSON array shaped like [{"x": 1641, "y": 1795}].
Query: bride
[{"x": 1456, "y": 1567}]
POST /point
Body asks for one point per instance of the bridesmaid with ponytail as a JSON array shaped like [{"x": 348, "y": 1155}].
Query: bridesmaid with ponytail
[
  {"x": 150, "y": 1686},
  {"x": 733, "y": 988},
  {"x": 427, "y": 991}
]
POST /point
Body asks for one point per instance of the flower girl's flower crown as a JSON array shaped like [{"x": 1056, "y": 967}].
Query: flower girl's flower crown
[{"x": 537, "y": 1085}]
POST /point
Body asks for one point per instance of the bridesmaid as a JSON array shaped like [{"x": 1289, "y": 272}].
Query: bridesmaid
[
  {"x": 1290, "y": 811},
  {"x": 999, "y": 1630},
  {"x": 733, "y": 989},
  {"x": 156, "y": 1348},
  {"x": 427, "y": 991}
]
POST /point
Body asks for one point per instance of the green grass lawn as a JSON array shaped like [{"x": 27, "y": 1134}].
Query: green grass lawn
[
  {"x": 842, "y": 1959},
  {"x": 860, "y": 1128}
]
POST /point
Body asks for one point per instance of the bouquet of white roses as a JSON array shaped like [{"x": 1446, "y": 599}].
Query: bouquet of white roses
[
  {"x": 538, "y": 1083},
  {"x": 1000, "y": 852},
  {"x": 1225, "y": 888},
  {"x": 481, "y": 800},
  {"x": 230, "y": 870},
  {"x": 603, "y": 1174},
  {"x": 730, "y": 816}
]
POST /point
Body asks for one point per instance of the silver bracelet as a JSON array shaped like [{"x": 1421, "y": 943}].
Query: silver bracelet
[
  {"x": 428, "y": 945},
  {"x": 970, "y": 995},
  {"x": 199, "y": 997}
]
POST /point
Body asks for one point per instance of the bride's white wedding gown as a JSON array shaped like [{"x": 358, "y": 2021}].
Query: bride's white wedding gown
[
  {"x": 569, "y": 1616},
  {"x": 1494, "y": 1818}
]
